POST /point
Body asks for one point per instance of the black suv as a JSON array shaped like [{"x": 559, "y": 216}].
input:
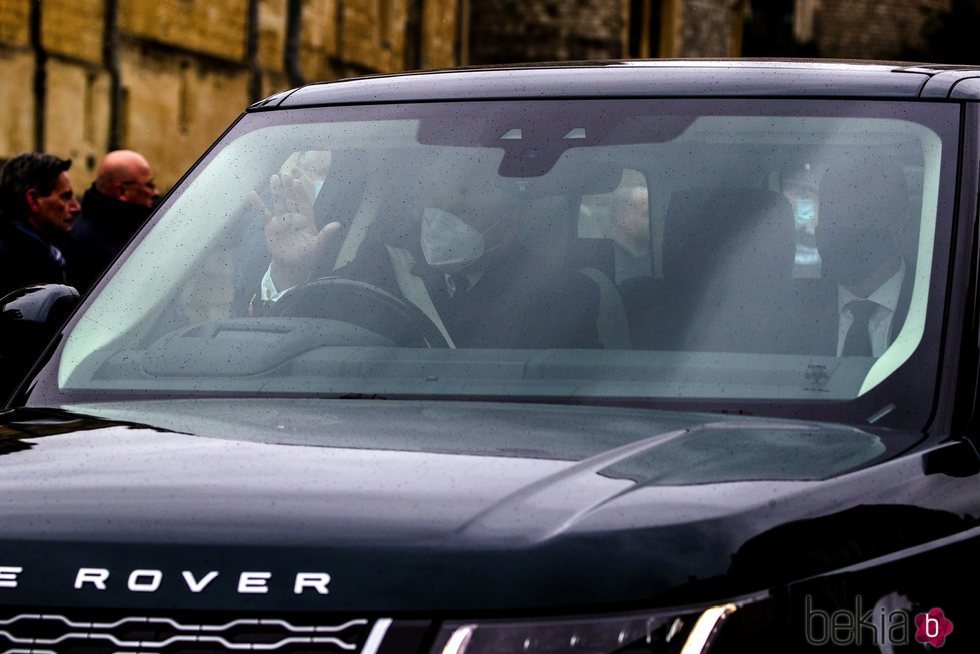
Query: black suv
[{"x": 610, "y": 357}]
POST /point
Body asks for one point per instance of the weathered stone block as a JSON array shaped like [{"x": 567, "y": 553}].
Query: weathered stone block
[
  {"x": 14, "y": 30},
  {"x": 214, "y": 28},
  {"x": 176, "y": 107},
  {"x": 80, "y": 92},
  {"x": 17, "y": 119},
  {"x": 272, "y": 34},
  {"x": 73, "y": 28}
]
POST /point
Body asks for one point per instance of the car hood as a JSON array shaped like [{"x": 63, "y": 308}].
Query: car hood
[{"x": 443, "y": 505}]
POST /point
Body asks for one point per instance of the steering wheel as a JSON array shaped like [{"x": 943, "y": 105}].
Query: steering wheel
[{"x": 362, "y": 304}]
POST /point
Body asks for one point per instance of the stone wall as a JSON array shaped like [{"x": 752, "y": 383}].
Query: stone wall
[
  {"x": 510, "y": 31},
  {"x": 445, "y": 34},
  {"x": 185, "y": 70},
  {"x": 17, "y": 121},
  {"x": 211, "y": 28},
  {"x": 871, "y": 29},
  {"x": 707, "y": 28}
]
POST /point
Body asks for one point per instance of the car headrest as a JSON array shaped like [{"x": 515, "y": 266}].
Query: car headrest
[
  {"x": 864, "y": 192},
  {"x": 732, "y": 235}
]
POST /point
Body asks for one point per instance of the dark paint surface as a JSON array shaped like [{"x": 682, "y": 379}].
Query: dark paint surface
[
  {"x": 446, "y": 506},
  {"x": 661, "y": 77},
  {"x": 622, "y": 79}
]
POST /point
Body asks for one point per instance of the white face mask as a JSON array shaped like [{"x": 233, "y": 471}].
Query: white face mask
[{"x": 448, "y": 243}]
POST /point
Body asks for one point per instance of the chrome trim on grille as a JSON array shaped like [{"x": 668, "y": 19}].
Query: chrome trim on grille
[
  {"x": 182, "y": 627},
  {"x": 263, "y": 647},
  {"x": 93, "y": 632}
]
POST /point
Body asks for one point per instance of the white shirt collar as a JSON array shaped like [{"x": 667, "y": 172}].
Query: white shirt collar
[{"x": 885, "y": 295}]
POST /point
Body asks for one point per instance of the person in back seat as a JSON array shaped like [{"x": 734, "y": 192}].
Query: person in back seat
[{"x": 630, "y": 213}]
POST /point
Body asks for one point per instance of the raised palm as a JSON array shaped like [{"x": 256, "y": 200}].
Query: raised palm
[{"x": 291, "y": 232}]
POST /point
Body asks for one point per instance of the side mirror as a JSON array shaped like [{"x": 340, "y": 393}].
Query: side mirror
[{"x": 29, "y": 318}]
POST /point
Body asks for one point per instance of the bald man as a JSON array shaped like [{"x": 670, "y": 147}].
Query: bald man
[{"x": 113, "y": 208}]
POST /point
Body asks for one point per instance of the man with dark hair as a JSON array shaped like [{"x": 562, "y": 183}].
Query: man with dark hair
[
  {"x": 113, "y": 208},
  {"x": 38, "y": 207}
]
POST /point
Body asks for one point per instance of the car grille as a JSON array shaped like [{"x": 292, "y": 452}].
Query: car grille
[{"x": 50, "y": 633}]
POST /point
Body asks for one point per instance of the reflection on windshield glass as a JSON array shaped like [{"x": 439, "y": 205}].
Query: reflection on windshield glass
[{"x": 627, "y": 249}]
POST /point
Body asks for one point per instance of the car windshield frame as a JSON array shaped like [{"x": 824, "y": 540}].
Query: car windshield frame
[{"x": 903, "y": 396}]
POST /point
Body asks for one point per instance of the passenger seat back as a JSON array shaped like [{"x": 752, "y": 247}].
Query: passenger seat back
[{"x": 728, "y": 258}]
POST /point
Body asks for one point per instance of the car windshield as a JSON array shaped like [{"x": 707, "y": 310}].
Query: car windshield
[{"x": 757, "y": 255}]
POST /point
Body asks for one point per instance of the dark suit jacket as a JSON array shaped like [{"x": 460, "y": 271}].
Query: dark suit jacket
[
  {"x": 99, "y": 234},
  {"x": 517, "y": 303},
  {"x": 796, "y": 316},
  {"x": 820, "y": 314},
  {"x": 26, "y": 259}
]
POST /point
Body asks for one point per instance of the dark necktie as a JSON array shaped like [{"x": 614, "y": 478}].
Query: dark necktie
[
  {"x": 456, "y": 288},
  {"x": 858, "y": 340},
  {"x": 453, "y": 283}
]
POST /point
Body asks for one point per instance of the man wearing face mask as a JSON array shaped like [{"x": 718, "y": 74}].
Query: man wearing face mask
[
  {"x": 467, "y": 271},
  {"x": 863, "y": 212}
]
